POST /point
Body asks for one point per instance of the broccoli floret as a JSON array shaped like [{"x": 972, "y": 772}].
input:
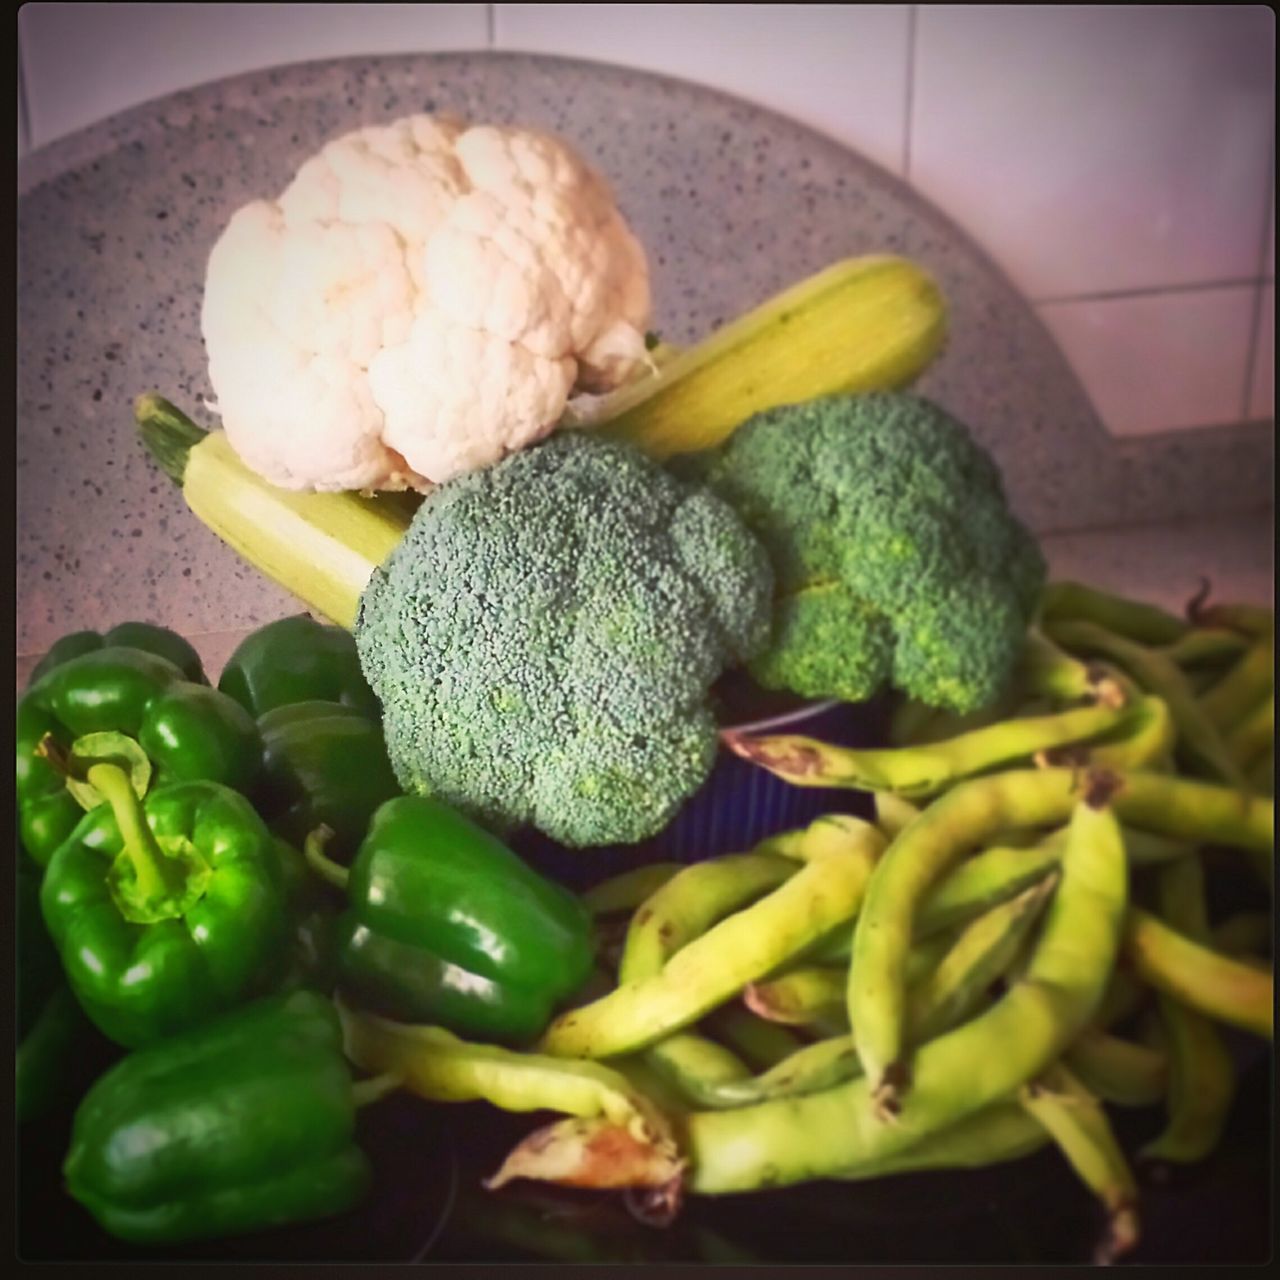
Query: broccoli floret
[
  {"x": 544, "y": 638},
  {"x": 897, "y": 558}
]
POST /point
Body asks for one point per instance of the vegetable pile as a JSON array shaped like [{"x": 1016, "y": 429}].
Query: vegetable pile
[{"x": 261, "y": 906}]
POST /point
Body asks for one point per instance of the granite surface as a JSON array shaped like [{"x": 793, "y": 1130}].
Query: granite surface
[{"x": 732, "y": 202}]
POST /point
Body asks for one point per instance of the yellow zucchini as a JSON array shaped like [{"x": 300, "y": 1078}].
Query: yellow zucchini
[{"x": 862, "y": 324}]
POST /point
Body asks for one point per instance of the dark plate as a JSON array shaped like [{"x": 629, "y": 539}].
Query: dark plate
[{"x": 415, "y": 1182}]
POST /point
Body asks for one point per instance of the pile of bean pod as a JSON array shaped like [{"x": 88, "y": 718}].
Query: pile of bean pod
[{"x": 1022, "y": 937}]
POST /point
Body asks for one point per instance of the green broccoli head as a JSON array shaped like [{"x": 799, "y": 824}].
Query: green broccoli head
[
  {"x": 897, "y": 558},
  {"x": 544, "y": 638}
]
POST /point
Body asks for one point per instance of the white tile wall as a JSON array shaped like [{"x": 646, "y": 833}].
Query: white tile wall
[
  {"x": 1160, "y": 362},
  {"x": 1262, "y": 390},
  {"x": 840, "y": 68},
  {"x": 1116, "y": 160},
  {"x": 87, "y": 61}
]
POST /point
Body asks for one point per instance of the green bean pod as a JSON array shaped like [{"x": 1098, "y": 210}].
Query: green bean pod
[
  {"x": 690, "y": 902},
  {"x": 1045, "y": 669},
  {"x": 1252, "y": 737},
  {"x": 1254, "y": 621},
  {"x": 1143, "y": 623},
  {"x": 984, "y": 880},
  {"x": 913, "y": 864},
  {"x": 627, "y": 891},
  {"x": 761, "y": 1044},
  {"x": 978, "y": 1064},
  {"x": 1244, "y": 933},
  {"x": 1206, "y": 647},
  {"x": 1261, "y": 777},
  {"x": 1199, "y": 739},
  {"x": 1223, "y": 989},
  {"x": 921, "y": 771},
  {"x": 1195, "y": 812},
  {"x": 1243, "y": 687},
  {"x": 740, "y": 949},
  {"x": 1145, "y": 740},
  {"x": 1116, "y": 1070},
  {"x": 1002, "y": 1133},
  {"x": 695, "y": 1065},
  {"x": 1201, "y": 1087},
  {"x": 809, "y": 996},
  {"x": 1079, "y": 1125},
  {"x": 893, "y": 813}
]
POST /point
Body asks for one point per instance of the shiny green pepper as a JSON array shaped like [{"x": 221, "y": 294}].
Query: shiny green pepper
[
  {"x": 324, "y": 764},
  {"x": 297, "y": 660},
  {"x": 54, "y": 1038},
  {"x": 446, "y": 925},
  {"x": 132, "y": 706},
  {"x": 164, "y": 912},
  {"x": 128, "y": 635},
  {"x": 245, "y": 1123}
]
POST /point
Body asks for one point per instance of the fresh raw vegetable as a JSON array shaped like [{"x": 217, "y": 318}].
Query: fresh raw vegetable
[
  {"x": 293, "y": 660},
  {"x": 445, "y": 924},
  {"x": 862, "y": 324},
  {"x": 323, "y": 764},
  {"x": 871, "y": 323},
  {"x": 127, "y": 635},
  {"x": 165, "y": 912},
  {"x": 245, "y": 1123},
  {"x": 52, "y": 1034},
  {"x": 128, "y": 705},
  {"x": 896, "y": 556},
  {"x": 827, "y": 891},
  {"x": 544, "y": 639},
  {"x": 420, "y": 301}
]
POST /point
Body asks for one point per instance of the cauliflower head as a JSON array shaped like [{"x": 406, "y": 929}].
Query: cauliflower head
[
  {"x": 544, "y": 638},
  {"x": 419, "y": 302}
]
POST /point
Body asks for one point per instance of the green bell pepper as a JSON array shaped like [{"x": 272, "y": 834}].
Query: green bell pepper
[
  {"x": 446, "y": 925},
  {"x": 297, "y": 659},
  {"x": 312, "y": 907},
  {"x": 165, "y": 912},
  {"x": 140, "y": 709},
  {"x": 128, "y": 635},
  {"x": 245, "y": 1123},
  {"x": 324, "y": 764},
  {"x": 53, "y": 1033}
]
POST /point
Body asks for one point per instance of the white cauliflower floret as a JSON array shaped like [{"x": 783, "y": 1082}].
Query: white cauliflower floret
[{"x": 420, "y": 301}]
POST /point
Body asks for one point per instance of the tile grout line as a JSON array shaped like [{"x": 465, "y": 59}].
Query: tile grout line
[
  {"x": 909, "y": 101},
  {"x": 23, "y": 100},
  {"x": 1255, "y": 321},
  {"x": 1151, "y": 291}
]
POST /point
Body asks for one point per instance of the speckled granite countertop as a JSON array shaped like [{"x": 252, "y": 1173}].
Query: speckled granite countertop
[{"x": 115, "y": 224}]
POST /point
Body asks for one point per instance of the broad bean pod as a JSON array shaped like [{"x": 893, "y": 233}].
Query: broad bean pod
[
  {"x": 978, "y": 1064},
  {"x": 1199, "y": 739},
  {"x": 1243, "y": 687},
  {"x": 690, "y": 902},
  {"x": 913, "y": 864},
  {"x": 738, "y": 950},
  {"x": 1117, "y": 1070},
  {"x": 1216, "y": 985},
  {"x": 1079, "y": 1125},
  {"x": 1144, "y": 623},
  {"x": 922, "y": 771},
  {"x": 628, "y": 890},
  {"x": 1252, "y": 737}
]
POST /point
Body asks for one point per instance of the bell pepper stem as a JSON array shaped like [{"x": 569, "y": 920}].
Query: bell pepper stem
[
  {"x": 157, "y": 876},
  {"x": 363, "y": 1092},
  {"x": 325, "y": 867}
]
